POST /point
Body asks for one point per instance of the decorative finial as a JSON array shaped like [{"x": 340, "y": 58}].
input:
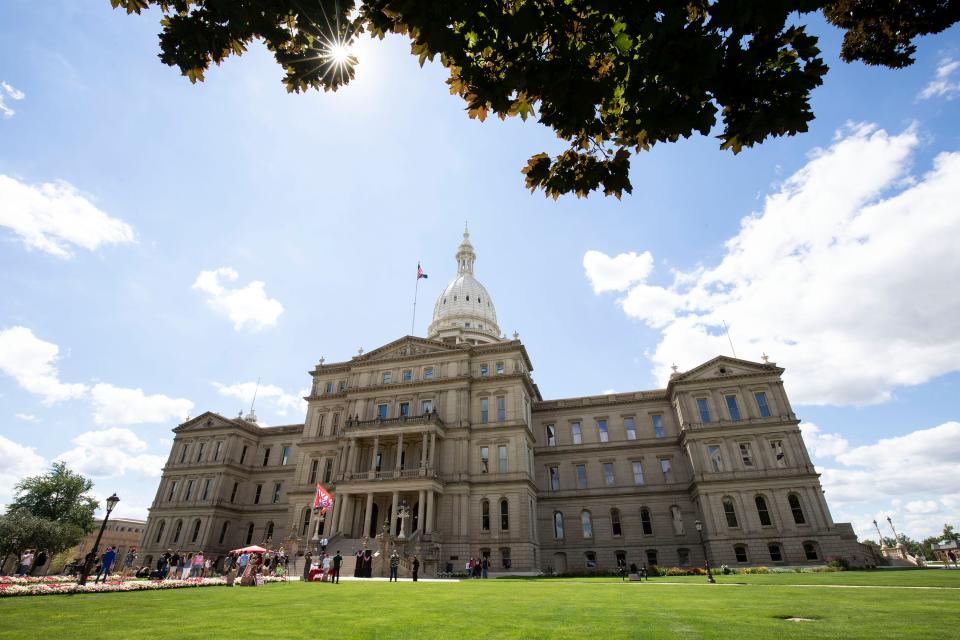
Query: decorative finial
[
  {"x": 674, "y": 367},
  {"x": 240, "y": 413},
  {"x": 765, "y": 358},
  {"x": 360, "y": 351},
  {"x": 516, "y": 336},
  {"x": 466, "y": 229},
  {"x": 321, "y": 361}
]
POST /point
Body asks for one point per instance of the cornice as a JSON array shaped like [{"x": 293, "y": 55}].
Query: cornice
[{"x": 601, "y": 400}]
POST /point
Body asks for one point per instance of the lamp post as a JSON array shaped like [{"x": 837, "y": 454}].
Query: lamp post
[
  {"x": 92, "y": 556},
  {"x": 877, "y": 527},
  {"x": 703, "y": 545},
  {"x": 403, "y": 513}
]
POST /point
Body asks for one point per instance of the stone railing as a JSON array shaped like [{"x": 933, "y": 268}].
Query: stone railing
[{"x": 426, "y": 418}]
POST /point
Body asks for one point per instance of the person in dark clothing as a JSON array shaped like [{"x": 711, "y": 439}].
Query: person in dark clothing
[
  {"x": 307, "y": 565},
  {"x": 394, "y": 566},
  {"x": 337, "y": 561},
  {"x": 416, "y": 568}
]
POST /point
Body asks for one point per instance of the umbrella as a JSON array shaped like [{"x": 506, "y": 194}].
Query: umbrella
[{"x": 250, "y": 549}]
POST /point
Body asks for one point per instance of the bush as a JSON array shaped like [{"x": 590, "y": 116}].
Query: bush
[
  {"x": 756, "y": 570},
  {"x": 838, "y": 564}
]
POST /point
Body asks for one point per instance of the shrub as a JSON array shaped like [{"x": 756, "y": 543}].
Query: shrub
[{"x": 839, "y": 564}]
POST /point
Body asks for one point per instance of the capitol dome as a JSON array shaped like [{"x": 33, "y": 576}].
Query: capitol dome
[{"x": 464, "y": 311}]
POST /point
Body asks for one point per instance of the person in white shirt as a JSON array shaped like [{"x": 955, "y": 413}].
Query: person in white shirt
[
  {"x": 327, "y": 563},
  {"x": 323, "y": 544}
]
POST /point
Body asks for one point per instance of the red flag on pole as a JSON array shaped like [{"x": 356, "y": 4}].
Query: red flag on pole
[{"x": 322, "y": 500}]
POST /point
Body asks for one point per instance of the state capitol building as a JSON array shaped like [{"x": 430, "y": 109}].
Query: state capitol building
[{"x": 453, "y": 428}]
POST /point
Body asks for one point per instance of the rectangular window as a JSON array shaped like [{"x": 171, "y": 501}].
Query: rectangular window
[
  {"x": 501, "y": 409},
  {"x": 266, "y": 456},
  {"x": 218, "y": 451},
  {"x": 243, "y": 454},
  {"x": 428, "y": 373},
  {"x": 703, "y": 409},
  {"x": 189, "y": 492},
  {"x": 328, "y": 388},
  {"x": 173, "y": 491},
  {"x": 336, "y": 421},
  {"x": 762, "y": 404},
  {"x": 637, "y": 473},
  {"x": 483, "y": 370},
  {"x": 200, "y": 449},
  {"x": 426, "y": 406},
  {"x": 382, "y": 411},
  {"x": 657, "y": 425},
  {"x": 328, "y": 470},
  {"x": 775, "y": 554},
  {"x": 484, "y": 459},
  {"x": 778, "y": 453},
  {"x": 716, "y": 460},
  {"x": 666, "y": 468},
  {"x": 407, "y": 375},
  {"x": 206, "y": 490},
  {"x": 602, "y": 431},
  {"x": 284, "y": 456},
  {"x": 276, "y": 492},
  {"x": 342, "y": 385},
  {"x": 183, "y": 453},
  {"x": 608, "y": 474},
  {"x": 746, "y": 454},
  {"x": 314, "y": 466},
  {"x": 404, "y": 409},
  {"x": 257, "y": 493},
  {"x": 581, "y": 476},
  {"x": 320, "y": 424},
  {"x": 502, "y": 457},
  {"x": 385, "y": 377},
  {"x": 733, "y": 408},
  {"x": 484, "y": 410},
  {"x": 630, "y": 428},
  {"x": 233, "y": 492},
  {"x": 500, "y": 368},
  {"x": 551, "y": 436},
  {"x": 741, "y": 553},
  {"x": 555, "y": 478},
  {"x": 683, "y": 557},
  {"x": 376, "y": 467},
  {"x": 575, "y": 434}
]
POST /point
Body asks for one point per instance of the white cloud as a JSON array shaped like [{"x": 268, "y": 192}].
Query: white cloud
[
  {"x": 245, "y": 306},
  {"x": 269, "y": 394},
  {"x": 54, "y": 217},
  {"x": 27, "y": 417},
  {"x": 617, "y": 273},
  {"x": 913, "y": 478},
  {"x": 14, "y": 94},
  {"x": 111, "y": 452},
  {"x": 16, "y": 463},
  {"x": 116, "y": 405},
  {"x": 847, "y": 277},
  {"x": 941, "y": 85},
  {"x": 32, "y": 363}
]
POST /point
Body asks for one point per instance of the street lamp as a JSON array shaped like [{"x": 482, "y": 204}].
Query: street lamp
[
  {"x": 706, "y": 562},
  {"x": 92, "y": 556}
]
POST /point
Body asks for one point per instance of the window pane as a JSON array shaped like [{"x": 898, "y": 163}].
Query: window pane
[
  {"x": 428, "y": 373},
  {"x": 555, "y": 478},
  {"x": 581, "y": 476},
  {"x": 502, "y": 450},
  {"x": 716, "y": 461},
  {"x": 762, "y": 511},
  {"x": 657, "y": 425},
  {"x": 646, "y": 522},
  {"x": 608, "y": 473},
  {"x": 762, "y": 404},
  {"x": 733, "y": 408},
  {"x": 575, "y": 433},
  {"x": 631, "y": 430},
  {"x": 501, "y": 409},
  {"x": 551, "y": 436},
  {"x": 746, "y": 454},
  {"x": 484, "y": 410},
  {"x": 637, "y": 473},
  {"x": 665, "y": 468},
  {"x": 703, "y": 409},
  {"x": 741, "y": 553},
  {"x": 730, "y": 512},
  {"x": 602, "y": 430},
  {"x": 484, "y": 459},
  {"x": 557, "y": 525},
  {"x": 587, "y": 523},
  {"x": 778, "y": 453}
]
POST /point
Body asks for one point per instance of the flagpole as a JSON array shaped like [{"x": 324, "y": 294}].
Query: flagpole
[{"x": 413, "y": 321}]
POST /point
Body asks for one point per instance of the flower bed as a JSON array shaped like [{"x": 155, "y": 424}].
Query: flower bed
[{"x": 12, "y": 586}]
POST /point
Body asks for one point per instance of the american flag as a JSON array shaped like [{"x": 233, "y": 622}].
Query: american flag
[
  {"x": 322, "y": 500},
  {"x": 420, "y": 273}
]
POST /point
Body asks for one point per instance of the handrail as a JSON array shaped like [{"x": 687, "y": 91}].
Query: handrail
[{"x": 425, "y": 418}]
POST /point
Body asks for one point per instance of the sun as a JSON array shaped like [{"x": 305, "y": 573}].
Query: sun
[{"x": 338, "y": 53}]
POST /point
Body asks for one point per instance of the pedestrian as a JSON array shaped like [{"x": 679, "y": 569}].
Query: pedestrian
[
  {"x": 394, "y": 565},
  {"x": 128, "y": 562},
  {"x": 242, "y": 563},
  {"x": 323, "y": 544},
  {"x": 174, "y": 565},
  {"x": 307, "y": 565},
  {"x": 337, "y": 561},
  {"x": 358, "y": 567},
  {"x": 470, "y": 568},
  {"x": 197, "y": 570},
  {"x": 643, "y": 573},
  {"x": 325, "y": 567},
  {"x": 106, "y": 562},
  {"x": 25, "y": 561},
  {"x": 39, "y": 561},
  {"x": 416, "y": 568}
]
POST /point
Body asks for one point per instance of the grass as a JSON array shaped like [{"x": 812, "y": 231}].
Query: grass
[{"x": 751, "y": 607}]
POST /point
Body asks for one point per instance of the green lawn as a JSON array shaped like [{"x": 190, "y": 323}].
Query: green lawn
[{"x": 551, "y": 608}]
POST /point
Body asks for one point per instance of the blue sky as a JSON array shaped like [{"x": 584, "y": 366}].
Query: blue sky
[{"x": 138, "y": 213}]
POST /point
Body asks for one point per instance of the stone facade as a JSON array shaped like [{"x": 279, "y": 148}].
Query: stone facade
[{"x": 453, "y": 427}]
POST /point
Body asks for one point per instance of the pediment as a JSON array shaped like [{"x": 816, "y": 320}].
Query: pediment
[
  {"x": 725, "y": 367},
  {"x": 206, "y": 420},
  {"x": 404, "y": 347}
]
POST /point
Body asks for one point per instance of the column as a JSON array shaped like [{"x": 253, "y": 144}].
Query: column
[
  {"x": 428, "y": 528},
  {"x": 433, "y": 450},
  {"x": 399, "y": 451},
  {"x": 345, "y": 503},
  {"x": 367, "y": 514},
  {"x": 393, "y": 512},
  {"x": 421, "y": 505},
  {"x": 352, "y": 457},
  {"x": 373, "y": 453},
  {"x": 423, "y": 451},
  {"x": 464, "y": 515},
  {"x": 331, "y": 521}
]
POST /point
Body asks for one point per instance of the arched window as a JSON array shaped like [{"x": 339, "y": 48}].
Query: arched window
[
  {"x": 305, "y": 522},
  {"x": 762, "y": 511},
  {"x": 558, "y": 525},
  {"x": 645, "y": 522},
  {"x": 676, "y": 517},
  {"x": 269, "y": 532},
  {"x": 196, "y": 531},
  {"x": 504, "y": 515},
  {"x": 740, "y": 552},
  {"x": 159, "y": 532},
  {"x": 223, "y": 531},
  {"x": 810, "y": 551},
  {"x": 249, "y": 534},
  {"x": 730, "y": 512},
  {"x": 485, "y": 515},
  {"x": 796, "y": 509},
  {"x": 615, "y": 522},
  {"x": 586, "y": 523},
  {"x": 652, "y": 557},
  {"x": 176, "y": 530}
]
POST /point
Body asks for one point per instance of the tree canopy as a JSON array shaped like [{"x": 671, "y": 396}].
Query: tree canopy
[
  {"x": 60, "y": 495},
  {"x": 610, "y": 77}
]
